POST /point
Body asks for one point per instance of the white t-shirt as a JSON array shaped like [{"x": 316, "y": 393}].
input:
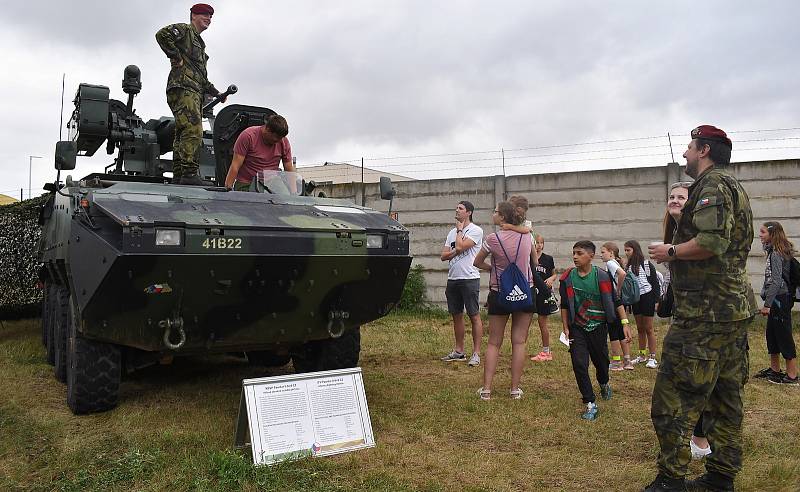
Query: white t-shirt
[
  {"x": 612, "y": 266},
  {"x": 461, "y": 266}
]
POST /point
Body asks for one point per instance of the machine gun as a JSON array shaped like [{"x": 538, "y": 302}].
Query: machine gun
[{"x": 140, "y": 145}]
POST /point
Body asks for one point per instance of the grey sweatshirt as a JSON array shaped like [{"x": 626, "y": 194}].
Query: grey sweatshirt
[{"x": 775, "y": 275}]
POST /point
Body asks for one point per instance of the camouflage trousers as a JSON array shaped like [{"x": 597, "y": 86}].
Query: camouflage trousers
[
  {"x": 185, "y": 106},
  {"x": 704, "y": 367}
]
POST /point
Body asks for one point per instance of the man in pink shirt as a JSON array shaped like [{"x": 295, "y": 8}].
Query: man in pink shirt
[{"x": 259, "y": 148}]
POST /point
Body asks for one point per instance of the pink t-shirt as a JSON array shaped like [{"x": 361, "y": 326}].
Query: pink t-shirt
[
  {"x": 499, "y": 261},
  {"x": 259, "y": 156}
]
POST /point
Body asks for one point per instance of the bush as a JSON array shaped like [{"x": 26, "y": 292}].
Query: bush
[{"x": 414, "y": 290}]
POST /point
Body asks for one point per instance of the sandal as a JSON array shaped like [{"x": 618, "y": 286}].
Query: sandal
[
  {"x": 485, "y": 395},
  {"x": 517, "y": 394}
]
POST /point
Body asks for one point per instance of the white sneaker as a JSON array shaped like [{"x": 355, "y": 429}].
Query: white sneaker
[
  {"x": 475, "y": 360},
  {"x": 639, "y": 359},
  {"x": 698, "y": 453},
  {"x": 651, "y": 363}
]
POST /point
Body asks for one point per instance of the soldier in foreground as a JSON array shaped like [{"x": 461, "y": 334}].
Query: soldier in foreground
[
  {"x": 705, "y": 360},
  {"x": 186, "y": 85}
]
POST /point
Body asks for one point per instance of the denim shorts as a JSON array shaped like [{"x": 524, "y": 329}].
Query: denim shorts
[{"x": 463, "y": 293}]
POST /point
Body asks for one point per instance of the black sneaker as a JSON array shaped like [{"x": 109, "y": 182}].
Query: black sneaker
[
  {"x": 766, "y": 373},
  {"x": 784, "y": 379},
  {"x": 710, "y": 481},
  {"x": 663, "y": 483}
]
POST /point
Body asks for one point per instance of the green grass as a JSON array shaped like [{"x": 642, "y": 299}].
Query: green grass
[{"x": 174, "y": 427}]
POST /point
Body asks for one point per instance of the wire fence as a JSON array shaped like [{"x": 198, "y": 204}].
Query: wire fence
[{"x": 645, "y": 151}]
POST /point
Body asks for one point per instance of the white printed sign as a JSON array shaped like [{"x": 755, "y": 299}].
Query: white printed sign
[{"x": 311, "y": 414}]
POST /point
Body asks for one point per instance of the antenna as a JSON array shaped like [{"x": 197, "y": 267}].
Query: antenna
[{"x": 61, "y": 123}]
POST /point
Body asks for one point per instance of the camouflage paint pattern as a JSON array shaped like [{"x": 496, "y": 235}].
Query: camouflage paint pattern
[
  {"x": 253, "y": 270},
  {"x": 705, "y": 362},
  {"x": 703, "y": 371},
  {"x": 717, "y": 213},
  {"x": 186, "y": 107}
]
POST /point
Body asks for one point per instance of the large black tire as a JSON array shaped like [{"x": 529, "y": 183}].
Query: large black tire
[
  {"x": 61, "y": 326},
  {"x": 325, "y": 355},
  {"x": 267, "y": 358},
  {"x": 94, "y": 371}
]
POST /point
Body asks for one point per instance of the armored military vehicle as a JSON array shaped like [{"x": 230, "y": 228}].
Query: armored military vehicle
[{"x": 138, "y": 270}]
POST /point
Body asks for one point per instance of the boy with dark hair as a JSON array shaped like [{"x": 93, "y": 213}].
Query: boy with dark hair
[{"x": 588, "y": 305}]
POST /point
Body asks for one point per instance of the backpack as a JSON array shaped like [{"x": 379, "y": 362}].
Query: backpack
[
  {"x": 630, "y": 290},
  {"x": 652, "y": 279},
  {"x": 794, "y": 279},
  {"x": 513, "y": 290}
]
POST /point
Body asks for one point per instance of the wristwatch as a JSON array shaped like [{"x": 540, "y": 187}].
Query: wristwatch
[{"x": 671, "y": 252}]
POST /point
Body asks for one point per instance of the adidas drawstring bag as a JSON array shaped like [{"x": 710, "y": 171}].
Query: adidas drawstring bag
[{"x": 513, "y": 290}]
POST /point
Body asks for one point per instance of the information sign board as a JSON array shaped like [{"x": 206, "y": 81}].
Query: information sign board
[{"x": 310, "y": 414}]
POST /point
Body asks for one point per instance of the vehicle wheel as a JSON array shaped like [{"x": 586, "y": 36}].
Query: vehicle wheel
[
  {"x": 61, "y": 318},
  {"x": 267, "y": 358},
  {"x": 333, "y": 353},
  {"x": 93, "y": 373},
  {"x": 49, "y": 322}
]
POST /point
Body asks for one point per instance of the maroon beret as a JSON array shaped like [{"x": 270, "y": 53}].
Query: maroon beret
[
  {"x": 202, "y": 8},
  {"x": 708, "y": 132}
]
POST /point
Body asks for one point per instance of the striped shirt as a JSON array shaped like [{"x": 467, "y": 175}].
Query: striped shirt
[{"x": 644, "y": 271}]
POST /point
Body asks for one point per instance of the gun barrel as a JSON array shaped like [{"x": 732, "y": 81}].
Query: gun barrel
[{"x": 232, "y": 89}]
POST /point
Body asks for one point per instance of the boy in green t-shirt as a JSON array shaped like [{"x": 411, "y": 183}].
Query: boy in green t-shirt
[{"x": 588, "y": 304}]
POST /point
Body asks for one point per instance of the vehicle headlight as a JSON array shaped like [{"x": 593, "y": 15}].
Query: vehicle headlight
[
  {"x": 375, "y": 240},
  {"x": 168, "y": 237}
]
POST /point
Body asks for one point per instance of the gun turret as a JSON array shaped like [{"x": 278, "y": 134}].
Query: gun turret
[{"x": 97, "y": 119}]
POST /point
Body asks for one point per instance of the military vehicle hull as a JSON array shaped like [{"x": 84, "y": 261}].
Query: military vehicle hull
[
  {"x": 251, "y": 268},
  {"x": 248, "y": 271}
]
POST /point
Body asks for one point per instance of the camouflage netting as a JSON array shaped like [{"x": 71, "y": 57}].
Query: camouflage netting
[{"x": 19, "y": 239}]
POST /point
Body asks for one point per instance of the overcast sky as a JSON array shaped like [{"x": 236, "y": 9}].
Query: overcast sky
[{"x": 384, "y": 78}]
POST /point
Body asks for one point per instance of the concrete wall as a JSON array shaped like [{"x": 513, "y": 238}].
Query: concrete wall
[{"x": 608, "y": 205}]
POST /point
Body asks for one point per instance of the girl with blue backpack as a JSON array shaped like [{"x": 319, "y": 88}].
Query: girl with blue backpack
[
  {"x": 510, "y": 294},
  {"x": 645, "y": 309}
]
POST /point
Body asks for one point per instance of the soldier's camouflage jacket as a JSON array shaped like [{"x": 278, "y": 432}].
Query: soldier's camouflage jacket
[
  {"x": 182, "y": 41},
  {"x": 718, "y": 215}
]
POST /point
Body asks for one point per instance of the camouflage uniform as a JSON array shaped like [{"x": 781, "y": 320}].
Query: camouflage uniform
[
  {"x": 186, "y": 85},
  {"x": 704, "y": 357}
]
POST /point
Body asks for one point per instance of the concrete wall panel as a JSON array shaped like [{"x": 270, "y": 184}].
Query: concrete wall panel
[{"x": 617, "y": 205}]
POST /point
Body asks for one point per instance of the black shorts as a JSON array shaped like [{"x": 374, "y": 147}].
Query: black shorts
[
  {"x": 615, "y": 331},
  {"x": 779, "y": 328},
  {"x": 495, "y": 308},
  {"x": 646, "y": 305},
  {"x": 463, "y": 293}
]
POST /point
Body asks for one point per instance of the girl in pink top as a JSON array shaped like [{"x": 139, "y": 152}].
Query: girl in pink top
[{"x": 506, "y": 213}]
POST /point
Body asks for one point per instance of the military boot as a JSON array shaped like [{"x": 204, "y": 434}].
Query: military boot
[
  {"x": 711, "y": 481},
  {"x": 191, "y": 179},
  {"x": 663, "y": 483}
]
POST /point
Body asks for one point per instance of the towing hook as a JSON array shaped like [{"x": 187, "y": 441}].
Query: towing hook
[
  {"x": 333, "y": 317},
  {"x": 168, "y": 325}
]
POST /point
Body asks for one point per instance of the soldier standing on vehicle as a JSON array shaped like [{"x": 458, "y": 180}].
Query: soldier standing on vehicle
[
  {"x": 186, "y": 85},
  {"x": 704, "y": 359}
]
